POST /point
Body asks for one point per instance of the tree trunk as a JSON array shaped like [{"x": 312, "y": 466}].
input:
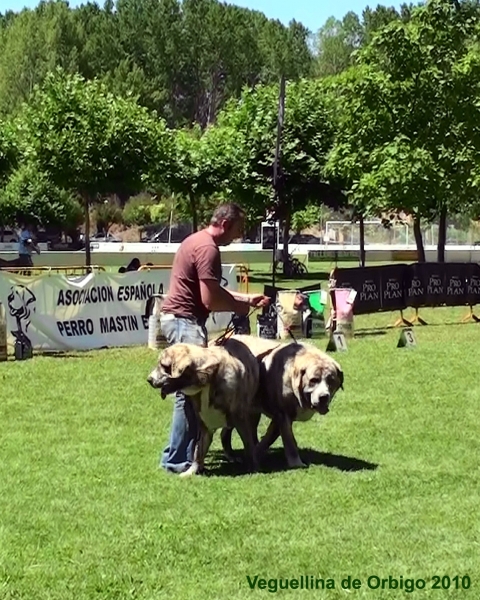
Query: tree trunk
[
  {"x": 442, "y": 235},
  {"x": 193, "y": 209},
  {"x": 418, "y": 239},
  {"x": 88, "y": 257},
  {"x": 362, "y": 240},
  {"x": 286, "y": 235}
]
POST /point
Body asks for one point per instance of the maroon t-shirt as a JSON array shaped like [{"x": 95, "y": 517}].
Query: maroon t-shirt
[{"x": 198, "y": 258}]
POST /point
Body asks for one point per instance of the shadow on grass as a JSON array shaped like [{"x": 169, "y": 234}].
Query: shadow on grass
[
  {"x": 419, "y": 326},
  {"x": 267, "y": 277},
  {"x": 360, "y": 333},
  {"x": 66, "y": 354},
  {"x": 275, "y": 462}
]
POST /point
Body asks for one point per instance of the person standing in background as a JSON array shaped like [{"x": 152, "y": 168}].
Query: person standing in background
[{"x": 26, "y": 245}]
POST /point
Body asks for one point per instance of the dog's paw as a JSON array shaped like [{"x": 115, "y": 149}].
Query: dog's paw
[
  {"x": 297, "y": 464},
  {"x": 195, "y": 469}
]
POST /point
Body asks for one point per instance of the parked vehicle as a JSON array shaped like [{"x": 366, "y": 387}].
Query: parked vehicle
[
  {"x": 161, "y": 234},
  {"x": 8, "y": 235}
]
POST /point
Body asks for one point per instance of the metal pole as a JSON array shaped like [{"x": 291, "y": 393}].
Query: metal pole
[
  {"x": 276, "y": 168},
  {"x": 171, "y": 217}
]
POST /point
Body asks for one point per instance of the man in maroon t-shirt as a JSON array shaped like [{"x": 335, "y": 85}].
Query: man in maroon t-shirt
[{"x": 195, "y": 290}]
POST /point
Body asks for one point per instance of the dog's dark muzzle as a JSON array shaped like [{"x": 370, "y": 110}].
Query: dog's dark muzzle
[
  {"x": 167, "y": 385},
  {"x": 323, "y": 408},
  {"x": 160, "y": 383},
  {"x": 323, "y": 405}
]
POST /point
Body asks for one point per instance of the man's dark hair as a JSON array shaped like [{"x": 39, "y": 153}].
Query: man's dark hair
[{"x": 229, "y": 211}]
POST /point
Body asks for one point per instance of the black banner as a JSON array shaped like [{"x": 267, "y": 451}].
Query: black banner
[
  {"x": 472, "y": 296},
  {"x": 396, "y": 287},
  {"x": 434, "y": 277},
  {"x": 437, "y": 284},
  {"x": 366, "y": 282},
  {"x": 378, "y": 288},
  {"x": 393, "y": 295},
  {"x": 456, "y": 284},
  {"x": 415, "y": 286}
]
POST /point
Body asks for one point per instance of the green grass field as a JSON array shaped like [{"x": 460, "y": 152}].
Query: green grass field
[{"x": 392, "y": 487}]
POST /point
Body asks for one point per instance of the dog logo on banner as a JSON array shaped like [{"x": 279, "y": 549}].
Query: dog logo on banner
[{"x": 21, "y": 304}]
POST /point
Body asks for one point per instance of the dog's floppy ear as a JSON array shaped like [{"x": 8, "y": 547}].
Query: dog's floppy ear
[
  {"x": 207, "y": 368},
  {"x": 340, "y": 377},
  {"x": 174, "y": 360},
  {"x": 297, "y": 376},
  {"x": 166, "y": 357}
]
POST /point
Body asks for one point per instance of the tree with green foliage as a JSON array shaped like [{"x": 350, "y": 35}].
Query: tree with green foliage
[
  {"x": 107, "y": 212},
  {"x": 205, "y": 164},
  {"x": 137, "y": 211},
  {"x": 32, "y": 44},
  {"x": 31, "y": 197},
  {"x": 144, "y": 210},
  {"x": 313, "y": 215},
  {"x": 307, "y": 137},
  {"x": 90, "y": 141},
  {"x": 375, "y": 19},
  {"x": 336, "y": 43},
  {"x": 8, "y": 163},
  {"x": 408, "y": 138},
  {"x": 185, "y": 59},
  {"x": 186, "y": 177},
  {"x": 8, "y": 151}
]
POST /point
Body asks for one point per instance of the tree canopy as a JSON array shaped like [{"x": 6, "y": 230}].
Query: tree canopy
[
  {"x": 90, "y": 141},
  {"x": 409, "y": 114},
  {"x": 177, "y": 102}
]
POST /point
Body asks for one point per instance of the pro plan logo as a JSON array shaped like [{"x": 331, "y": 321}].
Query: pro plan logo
[{"x": 21, "y": 304}]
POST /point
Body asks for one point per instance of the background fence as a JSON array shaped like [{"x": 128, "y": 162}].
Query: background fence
[{"x": 345, "y": 232}]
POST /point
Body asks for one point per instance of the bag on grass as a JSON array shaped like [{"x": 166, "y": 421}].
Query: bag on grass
[
  {"x": 156, "y": 339},
  {"x": 290, "y": 306}
]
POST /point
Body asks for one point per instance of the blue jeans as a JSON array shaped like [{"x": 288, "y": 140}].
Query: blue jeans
[{"x": 178, "y": 454}]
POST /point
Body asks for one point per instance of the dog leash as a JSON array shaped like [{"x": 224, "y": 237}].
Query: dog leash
[
  {"x": 274, "y": 306},
  {"x": 230, "y": 329}
]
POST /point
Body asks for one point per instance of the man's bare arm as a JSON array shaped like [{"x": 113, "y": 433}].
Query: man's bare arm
[
  {"x": 213, "y": 293},
  {"x": 257, "y": 300},
  {"x": 217, "y": 298},
  {"x": 242, "y": 297}
]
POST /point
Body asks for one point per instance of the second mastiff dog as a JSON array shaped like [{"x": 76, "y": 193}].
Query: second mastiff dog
[{"x": 297, "y": 381}]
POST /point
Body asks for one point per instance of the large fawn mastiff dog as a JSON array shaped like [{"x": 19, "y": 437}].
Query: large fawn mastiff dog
[
  {"x": 297, "y": 381},
  {"x": 222, "y": 384}
]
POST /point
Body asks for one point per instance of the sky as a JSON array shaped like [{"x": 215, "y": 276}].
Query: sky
[{"x": 312, "y": 13}]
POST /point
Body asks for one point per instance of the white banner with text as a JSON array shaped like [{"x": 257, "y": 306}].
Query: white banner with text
[{"x": 59, "y": 312}]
